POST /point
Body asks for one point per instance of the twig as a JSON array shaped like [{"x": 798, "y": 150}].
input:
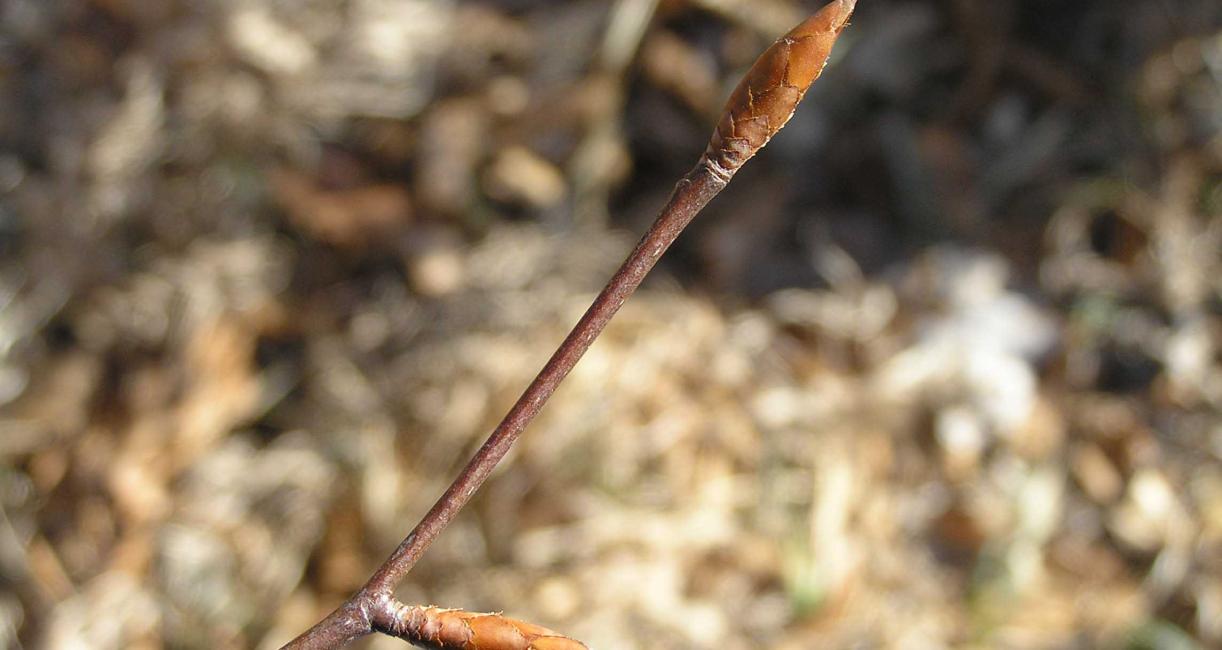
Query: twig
[{"x": 761, "y": 104}]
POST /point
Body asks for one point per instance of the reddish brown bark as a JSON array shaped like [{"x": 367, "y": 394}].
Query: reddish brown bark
[
  {"x": 454, "y": 629},
  {"x": 761, "y": 104}
]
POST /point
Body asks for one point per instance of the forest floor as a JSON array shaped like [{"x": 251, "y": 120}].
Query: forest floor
[{"x": 941, "y": 368}]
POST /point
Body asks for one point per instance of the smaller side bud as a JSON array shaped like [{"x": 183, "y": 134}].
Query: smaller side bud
[{"x": 455, "y": 629}]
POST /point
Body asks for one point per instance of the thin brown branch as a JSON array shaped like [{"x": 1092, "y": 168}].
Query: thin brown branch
[
  {"x": 690, "y": 195},
  {"x": 761, "y": 104}
]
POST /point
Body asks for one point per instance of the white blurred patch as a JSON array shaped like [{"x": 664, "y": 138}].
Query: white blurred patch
[
  {"x": 335, "y": 60},
  {"x": 128, "y": 143},
  {"x": 981, "y": 347},
  {"x": 268, "y": 44}
]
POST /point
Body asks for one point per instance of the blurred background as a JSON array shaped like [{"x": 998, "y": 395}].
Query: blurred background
[{"x": 940, "y": 368}]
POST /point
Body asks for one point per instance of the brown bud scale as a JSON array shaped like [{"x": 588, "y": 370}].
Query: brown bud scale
[
  {"x": 454, "y": 629},
  {"x": 769, "y": 93}
]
